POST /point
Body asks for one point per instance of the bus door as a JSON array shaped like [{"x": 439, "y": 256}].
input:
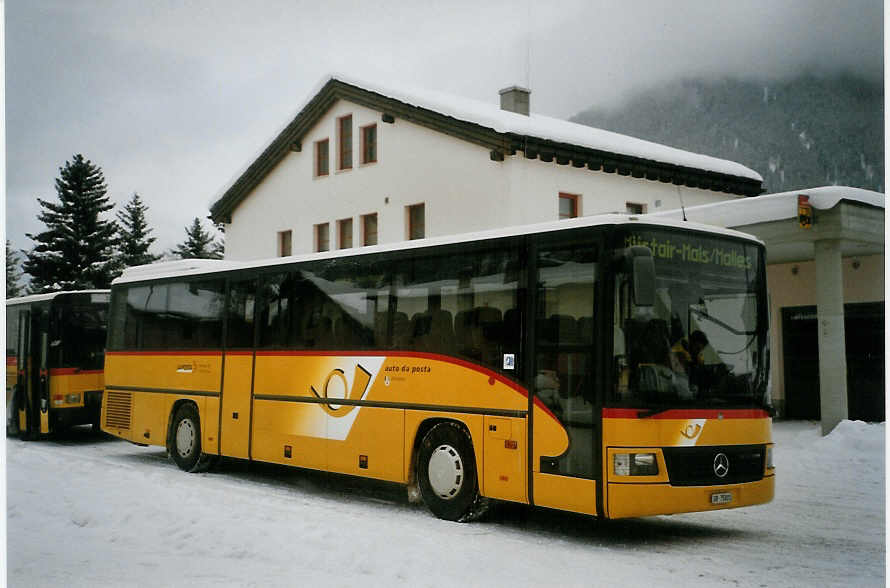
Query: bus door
[
  {"x": 236, "y": 403},
  {"x": 23, "y": 358},
  {"x": 33, "y": 378},
  {"x": 38, "y": 379},
  {"x": 566, "y": 434}
]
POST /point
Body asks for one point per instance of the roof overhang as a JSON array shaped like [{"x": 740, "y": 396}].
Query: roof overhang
[
  {"x": 859, "y": 228},
  {"x": 851, "y": 216}
]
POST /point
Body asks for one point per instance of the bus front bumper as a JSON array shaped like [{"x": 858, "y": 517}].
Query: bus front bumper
[{"x": 637, "y": 500}]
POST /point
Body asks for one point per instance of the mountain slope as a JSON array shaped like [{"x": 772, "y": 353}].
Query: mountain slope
[{"x": 797, "y": 133}]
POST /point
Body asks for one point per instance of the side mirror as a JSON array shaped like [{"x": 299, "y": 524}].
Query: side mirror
[
  {"x": 643, "y": 278},
  {"x": 644, "y": 281}
]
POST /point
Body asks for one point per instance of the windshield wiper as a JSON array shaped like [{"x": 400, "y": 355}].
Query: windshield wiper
[{"x": 716, "y": 321}]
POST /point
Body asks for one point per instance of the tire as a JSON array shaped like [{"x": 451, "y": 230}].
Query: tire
[
  {"x": 446, "y": 470},
  {"x": 185, "y": 440}
]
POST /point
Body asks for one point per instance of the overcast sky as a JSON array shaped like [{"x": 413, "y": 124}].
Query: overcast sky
[{"x": 172, "y": 98}]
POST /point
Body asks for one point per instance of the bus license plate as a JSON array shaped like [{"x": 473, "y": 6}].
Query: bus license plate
[{"x": 721, "y": 498}]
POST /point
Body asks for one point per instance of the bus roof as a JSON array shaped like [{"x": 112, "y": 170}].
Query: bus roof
[
  {"x": 188, "y": 267},
  {"x": 49, "y": 296}
]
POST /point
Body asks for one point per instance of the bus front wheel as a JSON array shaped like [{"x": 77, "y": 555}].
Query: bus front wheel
[
  {"x": 185, "y": 440},
  {"x": 446, "y": 469}
]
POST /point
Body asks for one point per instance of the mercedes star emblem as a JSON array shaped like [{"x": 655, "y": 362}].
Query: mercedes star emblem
[{"x": 721, "y": 465}]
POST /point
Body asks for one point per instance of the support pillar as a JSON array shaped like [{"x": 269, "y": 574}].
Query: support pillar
[{"x": 832, "y": 340}]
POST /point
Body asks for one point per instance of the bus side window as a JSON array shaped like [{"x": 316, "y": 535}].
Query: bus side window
[
  {"x": 274, "y": 302},
  {"x": 239, "y": 314},
  {"x": 194, "y": 314},
  {"x": 146, "y": 306}
]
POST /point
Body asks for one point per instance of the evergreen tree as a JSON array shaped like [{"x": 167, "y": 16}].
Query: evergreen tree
[
  {"x": 199, "y": 244},
  {"x": 13, "y": 273},
  {"x": 134, "y": 230},
  {"x": 77, "y": 250},
  {"x": 219, "y": 247}
]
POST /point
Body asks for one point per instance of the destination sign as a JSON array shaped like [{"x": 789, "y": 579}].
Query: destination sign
[{"x": 678, "y": 248}]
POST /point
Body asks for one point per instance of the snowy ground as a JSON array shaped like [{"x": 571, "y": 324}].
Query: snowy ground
[{"x": 90, "y": 511}]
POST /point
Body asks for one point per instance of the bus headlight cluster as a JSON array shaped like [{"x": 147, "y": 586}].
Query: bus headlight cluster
[
  {"x": 635, "y": 464},
  {"x": 769, "y": 457}
]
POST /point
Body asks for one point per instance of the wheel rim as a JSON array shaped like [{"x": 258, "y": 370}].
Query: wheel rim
[
  {"x": 445, "y": 472},
  {"x": 185, "y": 437}
]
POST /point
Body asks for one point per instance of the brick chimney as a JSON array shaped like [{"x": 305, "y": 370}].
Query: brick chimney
[{"x": 515, "y": 99}]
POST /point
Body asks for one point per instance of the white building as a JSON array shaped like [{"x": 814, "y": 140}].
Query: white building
[{"x": 360, "y": 164}]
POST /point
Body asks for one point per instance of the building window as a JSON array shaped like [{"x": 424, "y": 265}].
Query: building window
[
  {"x": 369, "y": 229},
  {"x": 345, "y": 132},
  {"x": 321, "y": 157},
  {"x": 416, "y": 221},
  {"x": 322, "y": 237},
  {"x": 344, "y": 233},
  {"x": 369, "y": 144},
  {"x": 635, "y": 208},
  {"x": 568, "y": 205},
  {"x": 284, "y": 243}
]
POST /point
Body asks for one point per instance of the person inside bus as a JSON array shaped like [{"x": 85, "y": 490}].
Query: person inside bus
[
  {"x": 688, "y": 351},
  {"x": 686, "y": 358}
]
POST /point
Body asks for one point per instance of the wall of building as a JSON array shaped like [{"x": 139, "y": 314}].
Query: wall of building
[
  {"x": 794, "y": 284},
  {"x": 462, "y": 189}
]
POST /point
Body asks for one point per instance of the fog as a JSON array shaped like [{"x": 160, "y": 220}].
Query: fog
[{"x": 171, "y": 99}]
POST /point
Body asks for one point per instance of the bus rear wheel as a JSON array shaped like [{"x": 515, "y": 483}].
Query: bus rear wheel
[
  {"x": 446, "y": 469},
  {"x": 185, "y": 440}
]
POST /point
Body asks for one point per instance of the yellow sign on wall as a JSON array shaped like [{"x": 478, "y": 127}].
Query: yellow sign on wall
[{"x": 804, "y": 212}]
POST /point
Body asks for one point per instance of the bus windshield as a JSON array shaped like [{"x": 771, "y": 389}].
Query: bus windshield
[{"x": 701, "y": 340}]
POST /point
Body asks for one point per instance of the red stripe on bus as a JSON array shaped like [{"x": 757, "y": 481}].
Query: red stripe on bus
[
  {"x": 11, "y": 361},
  {"x": 686, "y": 413},
  {"x": 70, "y": 371},
  {"x": 159, "y": 352}
]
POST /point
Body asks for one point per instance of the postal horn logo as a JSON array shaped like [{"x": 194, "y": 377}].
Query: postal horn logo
[
  {"x": 691, "y": 431},
  {"x": 336, "y": 388}
]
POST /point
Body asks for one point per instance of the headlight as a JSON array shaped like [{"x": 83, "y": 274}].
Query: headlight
[
  {"x": 72, "y": 398},
  {"x": 769, "y": 457},
  {"x": 621, "y": 462},
  {"x": 635, "y": 464}
]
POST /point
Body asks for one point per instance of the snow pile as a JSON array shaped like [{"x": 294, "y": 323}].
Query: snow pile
[{"x": 87, "y": 511}]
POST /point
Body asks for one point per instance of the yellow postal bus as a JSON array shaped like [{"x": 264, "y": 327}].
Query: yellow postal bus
[
  {"x": 606, "y": 365},
  {"x": 55, "y": 351}
]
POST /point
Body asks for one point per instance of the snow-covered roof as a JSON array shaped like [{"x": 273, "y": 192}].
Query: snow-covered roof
[
  {"x": 771, "y": 207},
  {"x": 487, "y": 124},
  {"x": 49, "y": 296},
  {"x": 140, "y": 272},
  {"x": 173, "y": 269},
  {"x": 544, "y": 127}
]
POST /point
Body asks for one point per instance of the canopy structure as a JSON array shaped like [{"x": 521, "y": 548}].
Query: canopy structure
[{"x": 840, "y": 222}]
